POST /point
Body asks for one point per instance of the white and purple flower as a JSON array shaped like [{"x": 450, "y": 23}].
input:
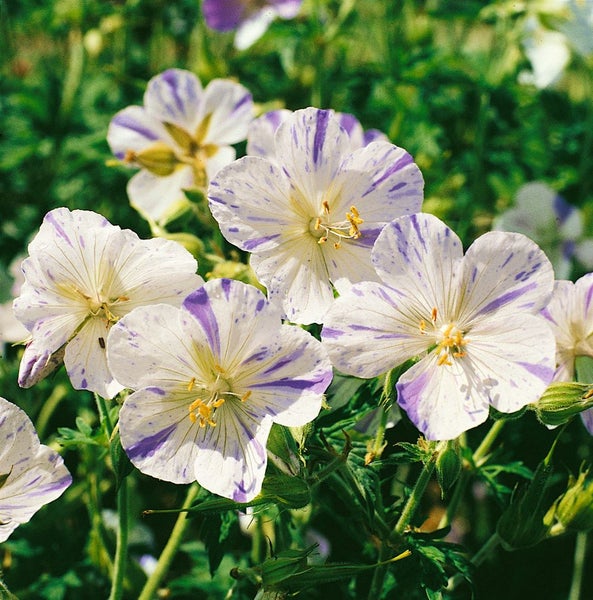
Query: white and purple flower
[
  {"x": 250, "y": 18},
  {"x": 81, "y": 276},
  {"x": 210, "y": 378},
  {"x": 261, "y": 133},
  {"x": 556, "y": 226},
  {"x": 179, "y": 138},
  {"x": 31, "y": 474},
  {"x": 311, "y": 213},
  {"x": 570, "y": 314},
  {"x": 472, "y": 320}
]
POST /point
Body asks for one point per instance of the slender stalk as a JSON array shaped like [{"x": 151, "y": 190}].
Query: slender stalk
[
  {"x": 378, "y": 576},
  {"x": 415, "y": 497},
  {"x": 121, "y": 549},
  {"x": 484, "y": 448},
  {"x": 170, "y": 550},
  {"x": 578, "y": 569},
  {"x": 49, "y": 406},
  {"x": 484, "y": 552},
  {"x": 104, "y": 415}
]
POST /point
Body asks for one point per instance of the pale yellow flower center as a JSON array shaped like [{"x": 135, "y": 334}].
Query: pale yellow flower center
[
  {"x": 450, "y": 339},
  {"x": 212, "y": 396},
  {"x": 325, "y": 229}
]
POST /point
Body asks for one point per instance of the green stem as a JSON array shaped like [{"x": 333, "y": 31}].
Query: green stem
[
  {"x": 477, "y": 458},
  {"x": 49, "y": 406},
  {"x": 104, "y": 415},
  {"x": 578, "y": 569},
  {"x": 170, "y": 549},
  {"x": 484, "y": 448},
  {"x": 378, "y": 576},
  {"x": 416, "y": 495},
  {"x": 482, "y": 554},
  {"x": 121, "y": 549}
]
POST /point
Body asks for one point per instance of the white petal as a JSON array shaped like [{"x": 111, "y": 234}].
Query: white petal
[
  {"x": 442, "y": 401},
  {"x": 250, "y": 30},
  {"x": 420, "y": 257},
  {"x": 86, "y": 362},
  {"x": 504, "y": 273},
  {"x": 174, "y": 96},
  {"x": 155, "y": 196},
  {"x": 250, "y": 199},
  {"x": 36, "y": 474},
  {"x": 260, "y": 137},
  {"x": 367, "y": 334},
  {"x": 229, "y": 108},
  {"x": 232, "y": 460},
  {"x": 297, "y": 279},
  {"x": 312, "y": 145},
  {"x": 134, "y": 129},
  {"x": 158, "y": 436}
]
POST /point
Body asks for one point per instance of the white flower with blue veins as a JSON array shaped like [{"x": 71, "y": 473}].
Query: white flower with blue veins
[
  {"x": 180, "y": 137},
  {"x": 210, "y": 379},
  {"x": 81, "y": 276},
  {"x": 472, "y": 321},
  {"x": 310, "y": 213}
]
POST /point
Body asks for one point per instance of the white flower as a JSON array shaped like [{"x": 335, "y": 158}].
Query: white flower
[
  {"x": 180, "y": 137},
  {"x": 81, "y": 276},
  {"x": 11, "y": 329},
  {"x": 31, "y": 474},
  {"x": 311, "y": 214},
  {"x": 556, "y": 226},
  {"x": 570, "y": 313},
  {"x": 210, "y": 378},
  {"x": 471, "y": 319}
]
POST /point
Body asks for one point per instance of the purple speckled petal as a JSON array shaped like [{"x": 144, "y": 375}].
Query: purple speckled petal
[
  {"x": 368, "y": 331},
  {"x": 36, "y": 474},
  {"x": 223, "y": 15},
  {"x": 134, "y": 129},
  {"x": 174, "y": 96},
  {"x": 504, "y": 273},
  {"x": 251, "y": 201},
  {"x": 229, "y": 107},
  {"x": 442, "y": 401},
  {"x": 419, "y": 256},
  {"x": 260, "y": 137}
]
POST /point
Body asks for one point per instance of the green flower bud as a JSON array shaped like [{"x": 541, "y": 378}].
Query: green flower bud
[
  {"x": 574, "y": 509},
  {"x": 448, "y": 465},
  {"x": 562, "y": 401},
  {"x": 158, "y": 158}
]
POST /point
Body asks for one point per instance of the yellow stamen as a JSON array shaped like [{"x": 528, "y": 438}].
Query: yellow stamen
[{"x": 190, "y": 385}]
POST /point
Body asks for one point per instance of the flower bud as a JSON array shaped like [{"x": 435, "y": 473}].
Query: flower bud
[
  {"x": 448, "y": 465},
  {"x": 158, "y": 158},
  {"x": 562, "y": 401},
  {"x": 575, "y": 508}
]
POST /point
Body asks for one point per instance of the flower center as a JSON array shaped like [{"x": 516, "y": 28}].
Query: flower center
[
  {"x": 214, "y": 395},
  {"x": 323, "y": 228},
  {"x": 450, "y": 340},
  {"x": 162, "y": 160}
]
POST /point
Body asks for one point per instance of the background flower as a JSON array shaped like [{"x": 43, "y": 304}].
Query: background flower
[
  {"x": 570, "y": 314},
  {"x": 180, "y": 137},
  {"x": 250, "y": 18},
  {"x": 81, "y": 276},
  {"x": 472, "y": 320},
  {"x": 210, "y": 379},
  {"x": 311, "y": 215},
  {"x": 31, "y": 474},
  {"x": 556, "y": 226}
]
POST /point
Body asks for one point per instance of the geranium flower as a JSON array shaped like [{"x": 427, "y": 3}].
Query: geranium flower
[
  {"x": 179, "y": 138},
  {"x": 81, "y": 276},
  {"x": 544, "y": 216},
  {"x": 570, "y": 314},
  {"x": 251, "y": 18},
  {"x": 210, "y": 378},
  {"x": 472, "y": 321},
  {"x": 261, "y": 133},
  {"x": 311, "y": 214},
  {"x": 31, "y": 474}
]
